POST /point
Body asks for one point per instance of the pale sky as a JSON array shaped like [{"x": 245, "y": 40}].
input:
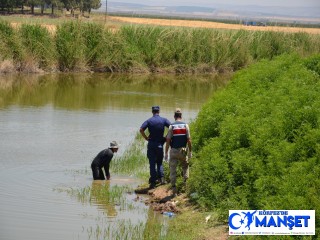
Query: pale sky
[{"x": 211, "y": 3}]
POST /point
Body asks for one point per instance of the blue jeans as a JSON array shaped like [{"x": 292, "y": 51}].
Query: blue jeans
[{"x": 155, "y": 156}]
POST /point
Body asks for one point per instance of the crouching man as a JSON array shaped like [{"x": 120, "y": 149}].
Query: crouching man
[{"x": 102, "y": 160}]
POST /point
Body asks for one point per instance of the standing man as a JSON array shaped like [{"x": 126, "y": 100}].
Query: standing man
[
  {"x": 102, "y": 160},
  {"x": 155, "y": 126},
  {"x": 179, "y": 140}
]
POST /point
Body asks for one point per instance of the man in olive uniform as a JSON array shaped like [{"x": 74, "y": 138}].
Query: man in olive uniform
[
  {"x": 102, "y": 160},
  {"x": 178, "y": 138}
]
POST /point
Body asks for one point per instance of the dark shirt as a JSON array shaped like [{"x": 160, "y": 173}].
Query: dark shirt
[
  {"x": 156, "y": 125},
  {"x": 103, "y": 159}
]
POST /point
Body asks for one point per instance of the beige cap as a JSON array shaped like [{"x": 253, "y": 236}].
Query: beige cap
[
  {"x": 114, "y": 144},
  {"x": 178, "y": 110}
]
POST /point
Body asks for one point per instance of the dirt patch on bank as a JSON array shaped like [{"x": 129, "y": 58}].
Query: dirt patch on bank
[{"x": 161, "y": 199}]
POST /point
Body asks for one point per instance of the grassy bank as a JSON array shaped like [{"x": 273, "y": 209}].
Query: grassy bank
[
  {"x": 257, "y": 141},
  {"x": 78, "y": 46}
]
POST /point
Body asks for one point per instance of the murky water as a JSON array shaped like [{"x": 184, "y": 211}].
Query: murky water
[{"x": 52, "y": 126}]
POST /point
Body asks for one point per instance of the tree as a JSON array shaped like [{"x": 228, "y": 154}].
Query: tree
[
  {"x": 54, "y": 4},
  {"x": 91, "y": 4},
  {"x": 70, "y": 5},
  {"x": 33, "y": 3}
]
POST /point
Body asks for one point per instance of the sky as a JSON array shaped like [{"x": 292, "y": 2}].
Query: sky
[{"x": 211, "y": 3}]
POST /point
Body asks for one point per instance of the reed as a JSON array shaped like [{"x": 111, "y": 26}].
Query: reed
[
  {"x": 81, "y": 46},
  {"x": 134, "y": 161},
  {"x": 10, "y": 47},
  {"x": 70, "y": 46},
  {"x": 38, "y": 43}
]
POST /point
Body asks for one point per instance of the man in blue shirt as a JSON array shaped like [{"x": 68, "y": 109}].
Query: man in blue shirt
[{"x": 155, "y": 126}]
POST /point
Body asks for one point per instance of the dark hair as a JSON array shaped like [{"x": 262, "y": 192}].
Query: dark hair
[{"x": 177, "y": 114}]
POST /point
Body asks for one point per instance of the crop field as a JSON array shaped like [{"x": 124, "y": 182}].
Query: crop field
[
  {"x": 207, "y": 24},
  {"x": 115, "y": 22}
]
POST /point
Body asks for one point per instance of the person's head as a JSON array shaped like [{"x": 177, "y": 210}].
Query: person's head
[
  {"x": 114, "y": 146},
  {"x": 155, "y": 109},
  {"x": 177, "y": 113}
]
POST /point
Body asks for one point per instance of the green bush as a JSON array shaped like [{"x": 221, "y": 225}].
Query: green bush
[{"x": 257, "y": 141}]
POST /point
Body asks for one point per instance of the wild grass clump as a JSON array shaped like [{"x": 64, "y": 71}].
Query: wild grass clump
[
  {"x": 10, "y": 47},
  {"x": 38, "y": 43},
  {"x": 257, "y": 141},
  {"x": 134, "y": 161},
  {"x": 70, "y": 46}
]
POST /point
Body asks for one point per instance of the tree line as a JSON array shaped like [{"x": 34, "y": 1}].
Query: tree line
[{"x": 23, "y": 6}]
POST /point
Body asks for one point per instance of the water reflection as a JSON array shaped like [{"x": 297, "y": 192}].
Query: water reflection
[
  {"x": 103, "y": 91},
  {"x": 100, "y": 196}
]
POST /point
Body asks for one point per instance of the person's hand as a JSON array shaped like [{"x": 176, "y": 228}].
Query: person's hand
[
  {"x": 189, "y": 155},
  {"x": 108, "y": 177}
]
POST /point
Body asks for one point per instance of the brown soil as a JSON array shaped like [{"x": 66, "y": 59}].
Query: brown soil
[{"x": 160, "y": 199}]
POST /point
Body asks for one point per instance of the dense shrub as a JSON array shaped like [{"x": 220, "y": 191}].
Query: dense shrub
[{"x": 257, "y": 141}]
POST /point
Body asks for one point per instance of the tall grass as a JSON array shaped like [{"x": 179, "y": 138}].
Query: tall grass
[
  {"x": 134, "y": 161},
  {"x": 70, "y": 47},
  {"x": 10, "y": 47},
  {"x": 38, "y": 43},
  {"x": 79, "y": 46}
]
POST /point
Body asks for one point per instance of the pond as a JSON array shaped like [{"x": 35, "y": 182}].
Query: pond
[{"x": 53, "y": 125}]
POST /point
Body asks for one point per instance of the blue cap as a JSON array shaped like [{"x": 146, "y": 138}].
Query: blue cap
[{"x": 155, "y": 108}]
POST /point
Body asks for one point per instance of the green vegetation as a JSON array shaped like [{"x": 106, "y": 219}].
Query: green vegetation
[
  {"x": 257, "y": 141},
  {"x": 78, "y": 46},
  {"x": 41, "y": 6},
  {"x": 134, "y": 161}
]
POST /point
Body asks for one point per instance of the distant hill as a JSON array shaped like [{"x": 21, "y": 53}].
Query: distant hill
[{"x": 219, "y": 11}]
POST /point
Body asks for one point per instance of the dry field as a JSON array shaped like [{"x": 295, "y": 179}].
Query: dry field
[
  {"x": 114, "y": 22},
  {"x": 216, "y": 25}
]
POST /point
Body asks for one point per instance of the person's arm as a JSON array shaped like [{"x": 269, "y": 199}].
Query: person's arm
[
  {"x": 143, "y": 127},
  {"x": 107, "y": 159},
  {"x": 107, "y": 165},
  {"x": 106, "y": 170},
  {"x": 143, "y": 134},
  {"x": 168, "y": 141},
  {"x": 189, "y": 142}
]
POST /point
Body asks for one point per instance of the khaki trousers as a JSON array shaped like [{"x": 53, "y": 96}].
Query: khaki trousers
[{"x": 175, "y": 157}]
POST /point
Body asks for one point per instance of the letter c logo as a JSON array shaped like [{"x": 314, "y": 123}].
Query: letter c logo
[{"x": 230, "y": 221}]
